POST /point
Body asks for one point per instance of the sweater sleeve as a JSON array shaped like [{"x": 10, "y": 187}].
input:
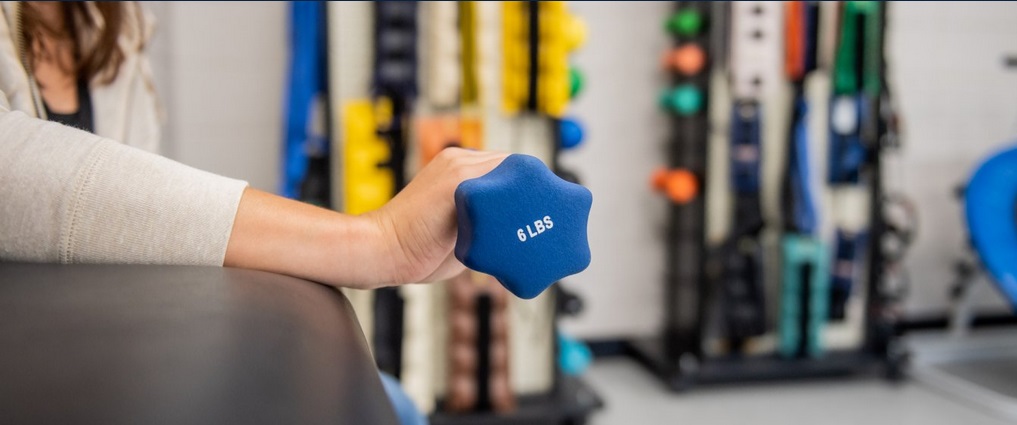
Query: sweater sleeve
[{"x": 72, "y": 197}]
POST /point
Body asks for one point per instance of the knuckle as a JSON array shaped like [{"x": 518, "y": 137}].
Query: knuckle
[
  {"x": 463, "y": 172},
  {"x": 445, "y": 153}
]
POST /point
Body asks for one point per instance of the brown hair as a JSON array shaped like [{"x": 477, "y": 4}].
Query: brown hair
[{"x": 100, "y": 56}]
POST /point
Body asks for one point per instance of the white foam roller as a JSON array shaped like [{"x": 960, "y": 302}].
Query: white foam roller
[{"x": 439, "y": 55}]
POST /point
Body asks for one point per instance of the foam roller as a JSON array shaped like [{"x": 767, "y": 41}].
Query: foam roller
[{"x": 523, "y": 225}]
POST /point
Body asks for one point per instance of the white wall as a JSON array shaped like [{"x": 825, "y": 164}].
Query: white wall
[
  {"x": 957, "y": 101},
  {"x": 222, "y": 68},
  {"x": 959, "y": 104},
  {"x": 625, "y": 132}
]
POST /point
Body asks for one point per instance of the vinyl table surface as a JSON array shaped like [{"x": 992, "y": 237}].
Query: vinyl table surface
[{"x": 180, "y": 345}]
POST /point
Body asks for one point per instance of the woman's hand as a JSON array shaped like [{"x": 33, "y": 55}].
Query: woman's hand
[
  {"x": 420, "y": 221},
  {"x": 410, "y": 239}
]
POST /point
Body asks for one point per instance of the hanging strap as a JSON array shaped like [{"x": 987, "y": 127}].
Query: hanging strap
[
  {"x": 801, "y": 31},
  {"x": 755, "y": 71},
  {"x": 306, "y": 81}
]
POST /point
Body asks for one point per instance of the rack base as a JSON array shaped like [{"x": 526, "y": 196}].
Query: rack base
[
  {"x": 572, "y": 402},
  {"x": 681, "y": 376}
]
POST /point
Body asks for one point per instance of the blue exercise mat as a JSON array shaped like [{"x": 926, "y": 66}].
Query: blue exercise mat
[{"x": 989, "y": 206}]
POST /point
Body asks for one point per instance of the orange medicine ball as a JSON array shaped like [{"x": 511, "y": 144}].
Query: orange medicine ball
[
  {"x": 679, "y": 185},
  {"x": 688, "y": 59}
]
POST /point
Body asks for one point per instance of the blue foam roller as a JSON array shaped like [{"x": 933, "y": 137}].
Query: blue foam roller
[
  {"x": 571, "y": 133},
  {"x": 523, "y": 225},
  {"x": 989, "y": 201}
]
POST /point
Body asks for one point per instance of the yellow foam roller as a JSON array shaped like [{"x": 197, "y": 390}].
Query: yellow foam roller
[{"x": 367, "y": 185}]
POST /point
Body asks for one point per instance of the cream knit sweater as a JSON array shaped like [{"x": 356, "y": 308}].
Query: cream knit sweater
[{"x": 73, "y": 197}]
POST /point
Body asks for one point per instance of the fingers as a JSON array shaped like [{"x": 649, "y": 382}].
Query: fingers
[
  {"x": 423, "y": 216},
  {"x": 477, "y": 165},
  {"x": 458, "y": 157}
]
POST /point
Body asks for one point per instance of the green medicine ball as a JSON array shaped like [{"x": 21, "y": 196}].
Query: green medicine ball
[{"x": 685, "y": 23}]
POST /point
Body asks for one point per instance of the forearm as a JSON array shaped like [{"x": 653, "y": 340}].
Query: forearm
[
  {"x": 280, "y": 235},
  {"x": 410, "y": 239}
]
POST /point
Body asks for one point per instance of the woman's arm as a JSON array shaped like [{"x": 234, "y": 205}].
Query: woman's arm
[
  {"x": 69, "y": 196},
  {"x": 408, "y": 240},
  {"x": 72, "y": 197}
]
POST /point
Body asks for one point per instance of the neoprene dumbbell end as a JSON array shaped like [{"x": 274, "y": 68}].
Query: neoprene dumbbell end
[{"x": 523, "y": 225}]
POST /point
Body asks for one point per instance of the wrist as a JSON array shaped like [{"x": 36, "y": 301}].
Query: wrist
[
  {"x": 383, "y": 253},
  {"x": 351, "y": 251}
]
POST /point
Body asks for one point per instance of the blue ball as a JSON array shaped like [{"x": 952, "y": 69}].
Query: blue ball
[
  {"x": 571, "y": 133},
  {"x": 574, "y": 357}
]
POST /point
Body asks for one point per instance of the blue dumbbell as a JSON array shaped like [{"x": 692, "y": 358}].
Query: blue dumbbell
[{"x": 523, "y": 225}]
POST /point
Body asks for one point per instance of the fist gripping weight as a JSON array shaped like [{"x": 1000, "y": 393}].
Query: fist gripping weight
[{"x": 523, "y": 225}]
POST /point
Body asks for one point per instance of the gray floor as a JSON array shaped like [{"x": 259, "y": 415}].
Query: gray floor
[
  {"x": 995, "y": 375},
  {"x": 635, "y": 397}
]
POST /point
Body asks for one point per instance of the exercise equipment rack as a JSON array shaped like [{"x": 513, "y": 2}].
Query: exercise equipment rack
[{"x": 677, "y": 354}]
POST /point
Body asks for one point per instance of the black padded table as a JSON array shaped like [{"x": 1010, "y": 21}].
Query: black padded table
[{"x": 180, "y": 345}]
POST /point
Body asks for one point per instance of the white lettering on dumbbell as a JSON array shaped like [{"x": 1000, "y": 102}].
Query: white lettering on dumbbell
[{"x": 539, "y": 226}]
